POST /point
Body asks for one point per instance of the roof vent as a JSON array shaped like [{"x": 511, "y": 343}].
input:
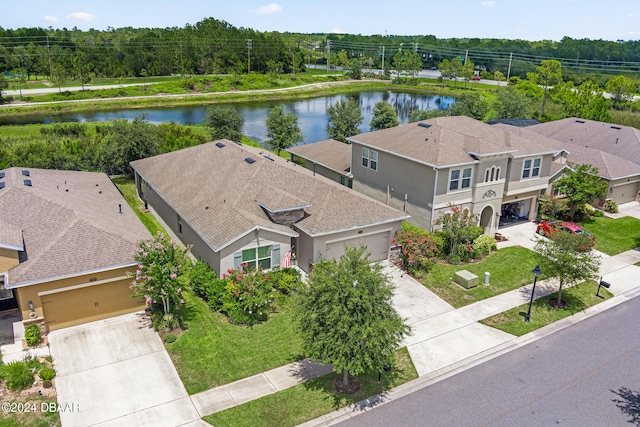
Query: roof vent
[
  {"x": 219, "y": 144},
  {"x": 268, "y": 158},
  {"x": 616, "y": 127},
  {"x": 27, "y": 182},
  {"x": 250, "y": 160},
  {"x": 579, "y": 121},
  {"x": 25, "y": 173},
  {"x": 424, "y": 125}
]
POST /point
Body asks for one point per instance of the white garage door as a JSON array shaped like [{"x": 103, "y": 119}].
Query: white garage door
[
  {"x": 625, "y": 193},
  {"x": 377, "y": 244}
]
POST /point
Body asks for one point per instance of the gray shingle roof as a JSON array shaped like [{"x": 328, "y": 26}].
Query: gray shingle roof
[
  {"x": 445, "y": 141},
  {"x": 195, "y": 178},
  {"x": 332, "y": 154},
  {"x": 621, "y": 141},
  {"x": 70, "y": 223}
]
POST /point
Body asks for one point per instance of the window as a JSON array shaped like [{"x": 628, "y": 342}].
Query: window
[
  {"x": 492, "y": 174},
  {"x": 370, "y": 159},
  {"x": 259, "y": 257},
  {"x": 179, "y": 224},
  {"x": 458, "y": 182},
  {"x": 531, "y": 168},
  {"x": 365, "y": 157}
]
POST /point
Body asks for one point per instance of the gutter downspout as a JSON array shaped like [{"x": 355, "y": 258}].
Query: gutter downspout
[{"x": 433, "y": 202}]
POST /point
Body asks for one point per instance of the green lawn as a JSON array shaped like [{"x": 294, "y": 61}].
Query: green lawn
[
  {"x": 510, "y": 269},
  {"x": 311, "y": 399},
  {"x": 127, "y": 187},
  {"x": 614, "y": 236},
  {"x": 578, "y": 298},
  {"x": 213, "y": 352}
]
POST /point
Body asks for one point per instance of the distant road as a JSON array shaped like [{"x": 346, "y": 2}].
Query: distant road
[{"x": 46, "y": 90}]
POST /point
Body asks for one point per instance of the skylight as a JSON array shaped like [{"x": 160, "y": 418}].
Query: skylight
[
  {"x": 25, "y": 173},
  {"x": 219, "y": 144},
  {"x": 424, "y": 125},
  {"x": 27, "y": 182},
  {"x": 2, "y": 185},
  {"x": 2, "y": 175},
  {"x": 250, "y": 160}
]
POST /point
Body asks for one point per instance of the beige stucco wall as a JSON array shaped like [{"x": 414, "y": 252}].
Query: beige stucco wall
[
  {"x": 253, "y": 240},
  {"x": 30, "y": 293},
  {"x": 8, "y": 259}
]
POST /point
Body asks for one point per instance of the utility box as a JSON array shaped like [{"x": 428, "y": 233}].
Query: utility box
[{"x": 466, "y": 279}]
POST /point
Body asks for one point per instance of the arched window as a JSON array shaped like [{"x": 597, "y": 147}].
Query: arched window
[{"x": 486, "y": 176}]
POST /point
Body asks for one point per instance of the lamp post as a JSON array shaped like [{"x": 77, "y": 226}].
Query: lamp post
[{"x": 536, "y": 271}]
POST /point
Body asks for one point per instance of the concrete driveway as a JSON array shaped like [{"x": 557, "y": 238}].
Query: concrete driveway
[{"x": 117, "y": 372}]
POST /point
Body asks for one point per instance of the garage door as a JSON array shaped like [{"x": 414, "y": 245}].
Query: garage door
[
  {"x": 625, "y": 193},
  {"x": 377, "y": 244},
  {"x": 68, "y": 307}
]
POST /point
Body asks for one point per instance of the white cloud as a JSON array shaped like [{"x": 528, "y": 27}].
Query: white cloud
[
  {"x": 268, "y": 9},
  {"x": 337, "y": 31},
  {"x": 81, "y": 16},
  {"x": 51, "y": 19},
  {"x": 487, "y": 3}
]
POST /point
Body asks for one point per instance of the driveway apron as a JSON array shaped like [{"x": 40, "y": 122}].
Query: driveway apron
[{"x": 117, "y": 372}]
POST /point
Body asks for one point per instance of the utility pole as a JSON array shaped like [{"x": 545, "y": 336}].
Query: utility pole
[
  {"x": 181, "y": 68},
  {"x": 509, "y": 69},
  {"x": 382, "y": 59},
  {"x": 248, "y": 56},
  {"x": 328, "y": 53},
  {"x": 49, "y": 54},
  {"x": 466, "y": 55}
]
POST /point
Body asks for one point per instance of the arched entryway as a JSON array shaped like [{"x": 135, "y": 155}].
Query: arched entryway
[{"x": 486, "y": 219}]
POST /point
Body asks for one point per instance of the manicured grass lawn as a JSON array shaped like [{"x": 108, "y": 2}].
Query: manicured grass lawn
[
  {"x": 578, "y": 298},
  {"x": 213, "y": 352},
  {"x": 311, "y": 399},
  {"x": 614, "y": 236},
  {"x": 127, "y": 187},
  {"x": 510, "y": 269}
]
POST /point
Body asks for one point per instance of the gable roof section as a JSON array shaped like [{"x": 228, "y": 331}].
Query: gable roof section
[
  {"x": 218, "y": 193},
  {"x": 621, "y": 141},
  {"x": 71, "y": 224},
  {"x": 10, "y": 236},
  {"x": 609, "y": 165},
  {"x": 332, "y": 154},
  {"x": 448, "y": 141}
]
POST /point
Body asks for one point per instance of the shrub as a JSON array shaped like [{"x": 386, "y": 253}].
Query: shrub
[
  {"x": 285, "y": 280},
  {"x": 454, "y": 259},
  {"x": 459, "y": 226},
  {"x": 47, "y": 374},
  {"x": 33, "y": 334},
  {"x": 483, "y": 245},
  {"x": 248, "y": 296},
  {"x": 200, "y": 276},
  {"x": 17, "y": 376},
  {"x": 611, "y": 206},
  {"x": 169, "y": 338},
  {"x": 418, "y": 246},
  {"x": 552, "y": 208},
  {"x": 597, "y": 213},
  {"x": 214, "y": 293},
  {"x": 464, "y": 252}
]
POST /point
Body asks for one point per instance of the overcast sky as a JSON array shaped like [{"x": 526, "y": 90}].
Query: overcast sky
[{"x": 510, "y": 19}]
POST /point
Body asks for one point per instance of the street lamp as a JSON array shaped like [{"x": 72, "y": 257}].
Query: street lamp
[{"x": 536, "y": 271}]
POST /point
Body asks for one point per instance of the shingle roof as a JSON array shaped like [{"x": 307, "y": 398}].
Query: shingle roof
[
  {"x": 10, "y": 236},
  {"x": 609, "y": 165},
  {"x": 332, "y": 154},
  {"x": 446, "y": 141},
  {"x": 70, "y": 224},
  {"x": 621, "y": 141},
  {"x": 217, "y": 193}
]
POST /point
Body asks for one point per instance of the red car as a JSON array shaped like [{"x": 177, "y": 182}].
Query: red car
[{"x": 548, "y": 228}]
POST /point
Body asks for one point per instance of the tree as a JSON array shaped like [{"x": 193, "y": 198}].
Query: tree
[
  {"x": 355, "y": 68},
  {"x": 467, "y": 71},
  {"x": 282, "y": 129},
  {"x": 580, "y": 185},
  {"x": 344, "y": 118},
  {"x": 549, "y": 73},
  {"x": 562, "y": 256},
  {"x": 459, "y": 227},
  {"x": 3, "y": 85},
  {"x": 451, "y": 68},
  {"x": 471, "y": 105},
  {"x": 346, "y": 316},
  {"x": 158, "y": 278},
  {"x": 129, "y": 141},
  {"x": 384, "y": 116},
  {"x": 585, "y": 101},
  {"x": 419, "y": 115},
  {"x": 224, "y": 123},
  {"x": 512, "y": 104},
  {"x": 621, "y": 89},
  {"x": 59, "y": 76}
]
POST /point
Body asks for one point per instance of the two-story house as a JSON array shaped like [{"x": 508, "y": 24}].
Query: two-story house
[{"x": 423, "y": 168}]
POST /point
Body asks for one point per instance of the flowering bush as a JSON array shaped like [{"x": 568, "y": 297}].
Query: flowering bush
[
  {"x": 418, "y": 247},
  {"x": 459, "y": 227},
  {"x": 248, "y": 295},
  {"x": 483, "y": 245},
  {"x": 552, "y": 208},
  {"x": 158, "y": 279}
]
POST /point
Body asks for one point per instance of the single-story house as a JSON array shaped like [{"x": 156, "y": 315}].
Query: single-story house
[
  {"x": 236, "y": 204},
  {"x": 613, "y": 149},
  {"x": 67, "y": 241},
  {"x": 330, "y": 158}
]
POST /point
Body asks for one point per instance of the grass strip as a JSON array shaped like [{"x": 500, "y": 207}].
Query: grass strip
[
  {"x": 578, "y": 298},
  {"x": 614, "y": 235}
]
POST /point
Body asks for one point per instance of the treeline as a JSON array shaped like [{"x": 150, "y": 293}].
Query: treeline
[
  {"x": 214, "y": 46},
  {"x": 108, "y": 147}
]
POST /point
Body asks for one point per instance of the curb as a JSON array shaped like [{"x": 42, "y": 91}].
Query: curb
[{"x": 441, "y": 374}]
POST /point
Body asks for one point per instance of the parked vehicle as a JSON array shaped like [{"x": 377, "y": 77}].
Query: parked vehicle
[{"x": 549, "y": 228}]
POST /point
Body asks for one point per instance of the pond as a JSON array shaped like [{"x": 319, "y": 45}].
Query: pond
[{"x": 312, "y": 113}]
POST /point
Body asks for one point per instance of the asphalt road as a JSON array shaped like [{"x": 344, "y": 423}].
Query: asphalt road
[{"x": 578, "y": 376}]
